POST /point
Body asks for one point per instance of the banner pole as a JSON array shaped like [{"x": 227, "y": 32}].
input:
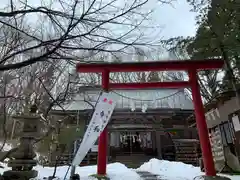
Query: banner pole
[{"x": 73, "y": 168}]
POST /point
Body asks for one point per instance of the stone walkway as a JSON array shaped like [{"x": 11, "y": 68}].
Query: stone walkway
[{"x": 145, "y": 175}]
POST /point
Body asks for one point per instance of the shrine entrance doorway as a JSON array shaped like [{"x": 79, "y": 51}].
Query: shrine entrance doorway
[
  {"x": 130, "y": 142},
  {"x": 135, "y": 142}
]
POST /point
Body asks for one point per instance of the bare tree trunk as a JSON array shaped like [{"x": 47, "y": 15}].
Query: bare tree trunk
[{"x": 13, "y": 128}]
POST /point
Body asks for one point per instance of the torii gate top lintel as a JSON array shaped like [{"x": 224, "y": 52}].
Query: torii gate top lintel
[{"x": 171, "y": 65}]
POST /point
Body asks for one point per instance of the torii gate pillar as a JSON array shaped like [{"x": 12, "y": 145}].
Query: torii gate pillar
[
  {"x": 201, "y": 125},
  {"x": 103, "y": 138},
  {"x": 191, "y": 66}
]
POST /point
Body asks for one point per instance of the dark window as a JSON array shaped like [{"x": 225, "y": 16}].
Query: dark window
[
  {"x": 232, "y": 130},
  {"x": 223, "y": 135},
  {"x": 227, "y": 133},
  {"x": 226, "y": 128}
]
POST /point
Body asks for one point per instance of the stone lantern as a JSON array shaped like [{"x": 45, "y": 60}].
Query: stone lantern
[{"x": 22, "y": 157}]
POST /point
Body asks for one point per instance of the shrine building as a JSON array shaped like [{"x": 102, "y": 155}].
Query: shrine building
[{"x": 145, "y": 124}]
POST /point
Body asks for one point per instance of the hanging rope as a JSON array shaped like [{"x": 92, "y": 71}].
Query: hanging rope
[
  {"x": 136, "y": 99},
  {"x": 157, "y": 99}
]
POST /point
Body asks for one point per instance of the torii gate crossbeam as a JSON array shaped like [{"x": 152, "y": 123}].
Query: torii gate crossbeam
[{"x": 191, "y": 66}]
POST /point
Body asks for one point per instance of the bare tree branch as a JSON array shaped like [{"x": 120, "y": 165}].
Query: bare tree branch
[{"x": 74, "y": 32}]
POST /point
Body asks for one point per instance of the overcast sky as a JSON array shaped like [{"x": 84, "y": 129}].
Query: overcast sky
[
  {"x": 178, "y": 20},
  {"x": 175, "y": 20}
]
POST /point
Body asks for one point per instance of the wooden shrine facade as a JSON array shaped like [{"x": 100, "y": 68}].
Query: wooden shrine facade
[{"x": 164, "y": 120}]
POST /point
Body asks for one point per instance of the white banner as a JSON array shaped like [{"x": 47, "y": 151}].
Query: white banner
[{"x": 99, "y": 121}]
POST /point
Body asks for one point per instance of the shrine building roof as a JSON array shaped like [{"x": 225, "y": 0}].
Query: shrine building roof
[{"x": 132, "y": 99}]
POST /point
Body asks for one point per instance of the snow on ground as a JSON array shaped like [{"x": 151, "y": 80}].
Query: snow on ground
[
  {"x": 6, "y": 147},
  {"x": 171, "y": 170},
  {"x": 174, "y": 170},
  {"x": 117, "y": 171}
]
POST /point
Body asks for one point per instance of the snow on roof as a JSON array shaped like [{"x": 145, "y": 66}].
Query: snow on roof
[{"x": 134, "y": 99}]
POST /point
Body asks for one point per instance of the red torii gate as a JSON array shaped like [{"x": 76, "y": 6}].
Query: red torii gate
[{"x": 191, "y": 66}]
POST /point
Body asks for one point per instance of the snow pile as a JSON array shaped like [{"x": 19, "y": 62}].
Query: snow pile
[
  {"x": 115, "y": 171},
  {"x": 175, "y": 170},
  {"x": 165, "y": 169},
  {"x": 171, "y": 170},
  {"x": 7, "y": 146},
  {"x": 3, "y": 167}
]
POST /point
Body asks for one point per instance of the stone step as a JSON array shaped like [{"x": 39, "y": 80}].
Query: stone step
[
  {"x": 130, "y": 158},
  {"x": 145, "y": 175},
  {"x": 131, "y": 163}
]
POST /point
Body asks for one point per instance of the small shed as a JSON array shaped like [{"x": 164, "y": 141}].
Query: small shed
[{"x": 222, "y": 117}]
